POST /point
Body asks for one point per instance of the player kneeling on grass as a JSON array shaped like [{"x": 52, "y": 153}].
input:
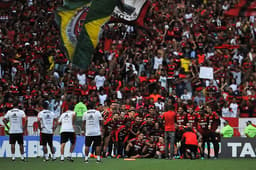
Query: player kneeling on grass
[
  {"x": 16, "y": 116},
  {"x": 189, "y": 140},
  {"x": 149, "y": 150},
  {"x": 135, "y": 146},
  {"x": 93, "y": 126},
  {"x": 67, "y": 131},
  {"x": 47, "y": 125},
  {"x": 160, "y": 148}
]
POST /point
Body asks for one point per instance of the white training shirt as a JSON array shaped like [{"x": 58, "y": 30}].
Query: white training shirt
[
  {"x": 46, "y": 118},
  {"x": 102, "y": 98},
  {"x": 99, "y": 80},
  {"x": 66, "y": 120},
  {"x": 92, "y": 118},
  {"x": 81, "y": 78},
  {"x": 157, "y": 62},
  {"x": 15, "y": 118}
]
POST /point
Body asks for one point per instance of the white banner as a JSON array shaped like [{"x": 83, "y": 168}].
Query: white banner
[{"x": 206, "y": 73}]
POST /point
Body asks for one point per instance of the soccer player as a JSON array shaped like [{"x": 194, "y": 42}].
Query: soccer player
[
  {"x": 93, "y": 126},
  {"x": 121, "y": 137},
  {"x": 161, "y": 149},
  {"x": 67, "y": 131},
  {"x": 181, "y": 123},
  {"x": 46, "y": 123},
  {"x": 109, "y": 129},
  {"x": 189, "y": 139},
  {"x": 214, "y": 122},
  {"x": 202, "y": 127},
  {"x": 135, "y": 146},
  {"x": 191, "y": 117},
  {"x": 16, "y": 117}
]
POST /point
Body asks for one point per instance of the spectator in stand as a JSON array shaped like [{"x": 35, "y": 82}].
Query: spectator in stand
[
  {"x": 186, "y": 95},
  {"x": 226, "y": 110},
  {"x": 100, "y": 79},
  {"x": 234, "y": 109}
]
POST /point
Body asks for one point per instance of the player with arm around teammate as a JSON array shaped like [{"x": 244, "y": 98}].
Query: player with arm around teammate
[
  {"x": 16, "y": 117},
  {"x": 93, "y": 126},
  {"x": 47, "y": 125}
]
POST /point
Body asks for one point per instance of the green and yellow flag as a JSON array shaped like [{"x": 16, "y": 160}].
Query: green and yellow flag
[
  {"x": 70, "y": 18},
  {"x": 99, "y": 13}
]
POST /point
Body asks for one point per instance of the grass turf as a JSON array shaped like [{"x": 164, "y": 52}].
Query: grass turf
[{"x": 120, "y": 164}]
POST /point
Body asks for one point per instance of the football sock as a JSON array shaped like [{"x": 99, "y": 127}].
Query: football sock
[
  {"x": 86, "y": 158},
  {"x": 13, "y": 156},
  {"x": 46, "y": 156},
  {"x": 98, "y": 158},
  {"x": 22, "y": 156},
  {"x": 62, "y": 157},
  {"x": 53, "y": 156},
  {"x": 70, "y": 154}
]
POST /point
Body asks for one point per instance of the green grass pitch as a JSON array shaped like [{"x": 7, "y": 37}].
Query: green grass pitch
[{"x": 120, "y": 164}]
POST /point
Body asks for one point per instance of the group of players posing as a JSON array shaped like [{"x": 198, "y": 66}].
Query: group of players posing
[
  {"x": 16, "y": 122},
  {"x": 127, "y": 134},
  {"x": 141, "y": 135}
]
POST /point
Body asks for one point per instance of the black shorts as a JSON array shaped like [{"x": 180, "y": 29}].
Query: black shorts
[
  {"x": 16, "y": 137},
  {"x": 95, "y": 139},
  {"x": 192, "y": 148},
  {"x": 214, "y": 137},
  {"x": 65, "y": 136},
  {"x": 46, "y": 138},
  {"x": 178, "y": 135}
]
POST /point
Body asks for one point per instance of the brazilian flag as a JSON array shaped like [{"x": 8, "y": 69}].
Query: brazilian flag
[
  {"x": 99, "y": 13},
  {"x": 70, "y": 19}
]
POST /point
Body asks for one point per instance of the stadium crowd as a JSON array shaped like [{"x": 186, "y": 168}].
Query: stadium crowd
[{"x": 137, "y": 71}]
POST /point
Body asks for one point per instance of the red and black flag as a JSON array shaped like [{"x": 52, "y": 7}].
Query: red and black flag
[
  {"x": 243, "y": 8},
  {"x": 131, "y": 11}
]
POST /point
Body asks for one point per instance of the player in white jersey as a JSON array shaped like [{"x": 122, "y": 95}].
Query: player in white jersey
[
  {"x": 92, "y": 124},
  {"x": 16, "y": 117},
  {"x": 67, "y": 131},
  {"x": 47, "y": 125}
]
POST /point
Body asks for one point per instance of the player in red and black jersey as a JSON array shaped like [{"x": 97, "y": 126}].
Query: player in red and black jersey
[
  {"x": 157, "y": 131},
  {"x": 135, "y": 146},
  {"x": 135, "y": 127},
  {"x": 160, "y": 148},
  {"x": 149, "y": 150},
  {"x": 110, "y": 126},
  {"x": 181, "y": 122},
  {"x": 202, "y": 128},
  {"x": 213, "y": 123},
  {"x": 191, "y": 117},
  {"x": 121, "y": 137},
  {"x": 147, "y": 126}
]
